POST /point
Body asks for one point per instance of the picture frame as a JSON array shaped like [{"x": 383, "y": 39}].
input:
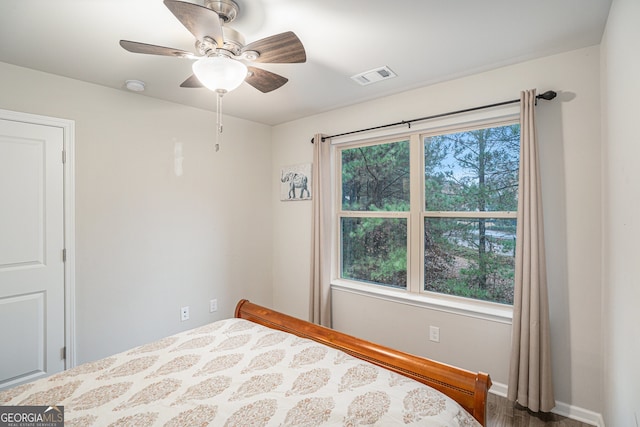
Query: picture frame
[{"x": 295, "y": 182}]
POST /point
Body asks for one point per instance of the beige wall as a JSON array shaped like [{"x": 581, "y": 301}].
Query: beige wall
[
  {"x": 149, "y": 242},
  {"x": 569, "y": 131},
  {"x": 621, "y": 226}
]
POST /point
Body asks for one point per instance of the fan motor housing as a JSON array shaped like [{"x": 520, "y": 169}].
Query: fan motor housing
[
  {"x": 227, "y": 10},
  {"x": 233, "y": 42}
]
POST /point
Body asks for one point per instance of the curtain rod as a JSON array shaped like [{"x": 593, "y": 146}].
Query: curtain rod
[{"x": 548, "y": 95}]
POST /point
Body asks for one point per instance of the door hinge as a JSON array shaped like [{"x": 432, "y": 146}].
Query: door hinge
[
  {"x": 64, "y": 255},
  {"x": 63, "y": 353},
  {"x": 64, "y": 156}
]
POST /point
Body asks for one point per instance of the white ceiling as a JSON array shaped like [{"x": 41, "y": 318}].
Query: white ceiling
[{"x": 422, "y": 41}]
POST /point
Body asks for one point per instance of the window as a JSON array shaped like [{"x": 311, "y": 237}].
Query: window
[
  {"x": 432, "y": 213},
  {"x": 375, "y": 209}
]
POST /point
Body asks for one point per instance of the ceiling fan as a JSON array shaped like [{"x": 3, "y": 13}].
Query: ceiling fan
[{"x": 222, "y": 50}]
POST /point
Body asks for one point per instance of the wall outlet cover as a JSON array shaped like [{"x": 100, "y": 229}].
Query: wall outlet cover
[{"x": 434, "y": 334}]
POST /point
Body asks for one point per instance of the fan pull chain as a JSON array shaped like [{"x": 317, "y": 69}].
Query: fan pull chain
[{"x": 218, "y": 119}]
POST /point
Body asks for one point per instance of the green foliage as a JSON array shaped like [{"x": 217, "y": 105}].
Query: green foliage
[
  {"x": 375, "y": 250},
  {"x": 484, "y": 274},
  {"x": 473, "y": 171},
  {"x": 376, "y": 177}
]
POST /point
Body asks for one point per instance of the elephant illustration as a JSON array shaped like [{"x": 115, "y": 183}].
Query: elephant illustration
[{"x": 296, "y": 180}]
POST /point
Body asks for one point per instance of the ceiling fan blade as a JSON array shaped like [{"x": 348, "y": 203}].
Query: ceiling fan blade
[
  {"x": 151, "y": 49},
  {"x": 200, "y": 21},
  {"x": 284, "y": 48},
  {"x": 263, "y": 80},
  {"x": 192, "y": 81}
]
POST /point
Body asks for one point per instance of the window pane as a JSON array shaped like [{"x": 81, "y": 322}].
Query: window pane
[
  {"x": 472, "y": 258},
  {"x": 376, "y": 177},
  {"x": 473, "y": 171},
  {"x": 374, "y": 250}
]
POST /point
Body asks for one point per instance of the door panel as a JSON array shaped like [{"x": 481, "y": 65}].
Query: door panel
[
  {"x": 22, "y": 210},
  {"x": 28, "y": 342},
  {"x": 31, "y": 244}
]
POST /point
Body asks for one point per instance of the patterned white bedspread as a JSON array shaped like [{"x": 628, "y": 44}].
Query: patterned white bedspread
[{"x": 237, "y": 373}]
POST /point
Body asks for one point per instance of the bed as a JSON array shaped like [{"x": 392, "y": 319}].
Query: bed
[{"x": 261, "y": 368}]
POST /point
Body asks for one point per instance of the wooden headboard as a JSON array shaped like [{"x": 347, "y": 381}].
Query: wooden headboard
[{"x": 467, "y": 388}]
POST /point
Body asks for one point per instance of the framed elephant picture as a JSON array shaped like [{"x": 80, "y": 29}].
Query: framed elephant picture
[{"x": 295, "y": 182}]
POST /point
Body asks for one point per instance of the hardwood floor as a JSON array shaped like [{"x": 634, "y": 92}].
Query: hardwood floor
[{"x": 501, "y": 413}]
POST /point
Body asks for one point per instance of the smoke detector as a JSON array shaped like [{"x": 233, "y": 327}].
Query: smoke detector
[{"x": 134, "y": 85}]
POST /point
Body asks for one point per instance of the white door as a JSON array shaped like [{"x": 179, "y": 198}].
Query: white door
[{"x": 32, "y": 316}]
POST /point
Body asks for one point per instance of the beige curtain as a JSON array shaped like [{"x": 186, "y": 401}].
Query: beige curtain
[
  {"x": 530, "y": 382},
  {"x": 320, "y": 293}
]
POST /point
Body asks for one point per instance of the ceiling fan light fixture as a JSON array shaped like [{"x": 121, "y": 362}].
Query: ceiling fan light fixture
[{"x": 219, "y": 73}]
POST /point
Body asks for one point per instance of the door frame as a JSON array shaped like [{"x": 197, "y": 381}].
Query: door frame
[{"x": 68, "y": 127}]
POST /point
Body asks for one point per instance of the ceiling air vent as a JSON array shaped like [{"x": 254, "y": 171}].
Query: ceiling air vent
[{"x": 373, "y": 76}]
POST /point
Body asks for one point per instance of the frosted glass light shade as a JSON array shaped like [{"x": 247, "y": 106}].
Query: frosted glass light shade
[{"x": 219, "y": 73}]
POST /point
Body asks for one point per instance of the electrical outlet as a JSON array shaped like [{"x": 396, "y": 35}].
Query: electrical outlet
[
  {"x": 213, "y": 305},
  {"x": 434, "y": 334},
  {"x": 184, "y": 313}
]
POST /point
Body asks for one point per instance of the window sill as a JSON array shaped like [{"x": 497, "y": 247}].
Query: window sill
[{"x": 450, "y": 304}]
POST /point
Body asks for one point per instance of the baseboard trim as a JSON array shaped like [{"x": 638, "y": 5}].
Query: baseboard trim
[
  {"x": 579, "y": 414},
  {"x": 498, "y": 389},
  {"x": 564, "y": 409}
]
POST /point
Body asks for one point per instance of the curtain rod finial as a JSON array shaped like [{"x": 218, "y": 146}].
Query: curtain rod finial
[{"x": 548, "y": 95}]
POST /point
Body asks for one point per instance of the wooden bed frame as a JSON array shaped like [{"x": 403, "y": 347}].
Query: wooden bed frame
[{"x": 467, "y": 388}]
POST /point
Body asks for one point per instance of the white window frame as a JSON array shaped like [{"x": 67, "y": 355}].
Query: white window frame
[{"x": 414, "y": 294}]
